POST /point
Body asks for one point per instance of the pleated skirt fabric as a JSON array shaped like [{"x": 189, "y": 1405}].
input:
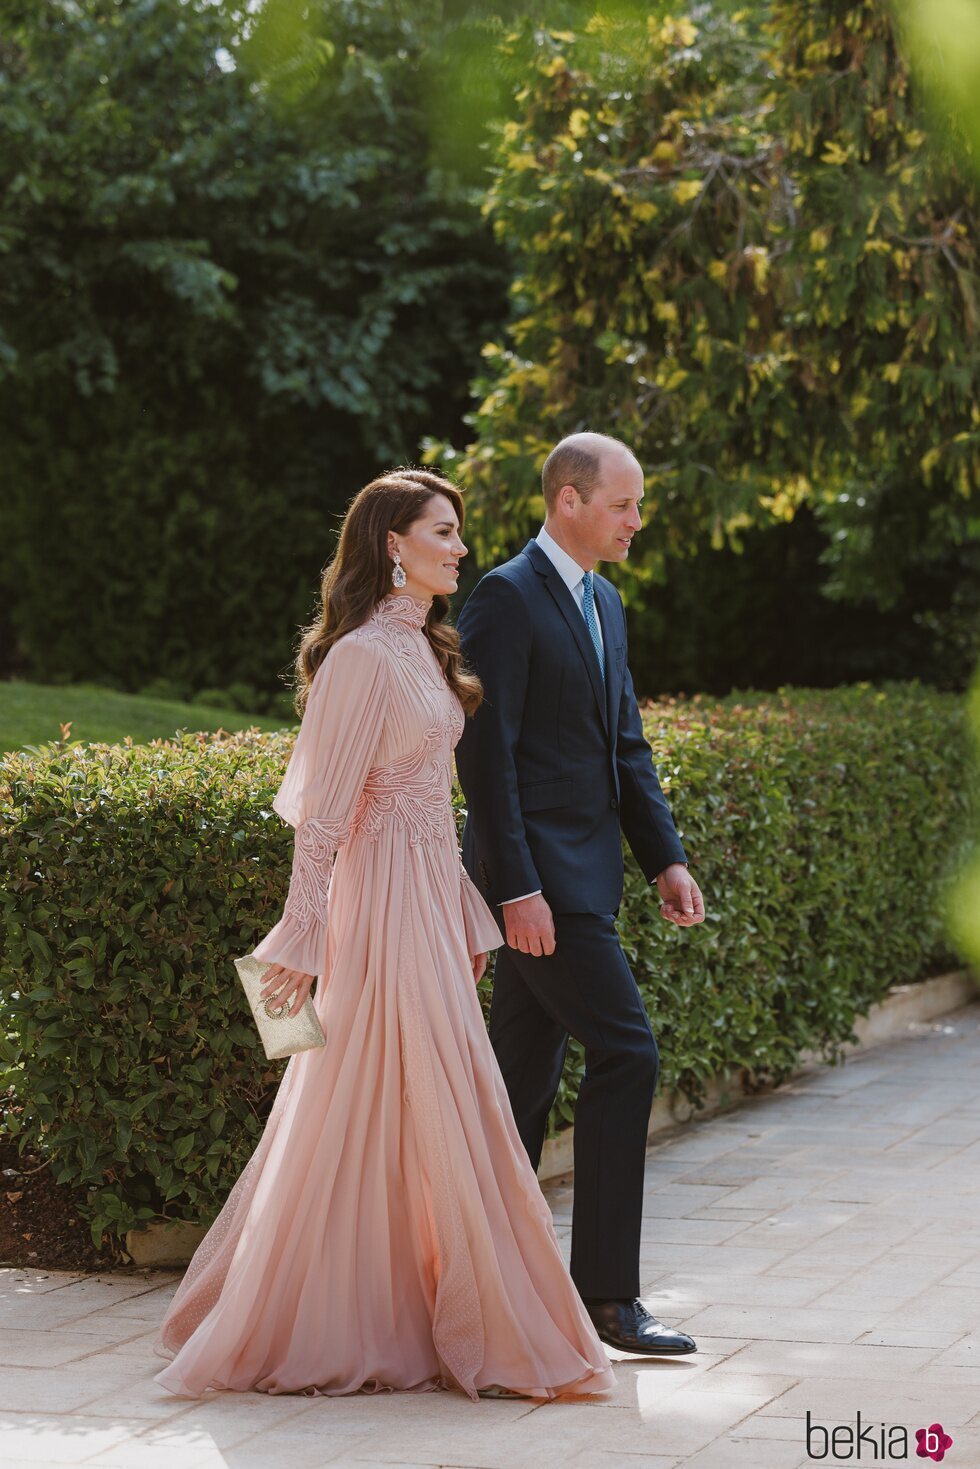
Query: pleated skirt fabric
[{"x": 388, "y": 1232}]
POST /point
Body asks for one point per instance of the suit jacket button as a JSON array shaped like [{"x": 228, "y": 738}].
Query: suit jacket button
[{"x": 614, "y": 803}]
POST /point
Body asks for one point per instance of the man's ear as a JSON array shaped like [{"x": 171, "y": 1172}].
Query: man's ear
[{"x": 567, "y": 496}]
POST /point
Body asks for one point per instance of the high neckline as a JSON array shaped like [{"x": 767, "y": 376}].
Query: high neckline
[{"x": 405, "y": 609}]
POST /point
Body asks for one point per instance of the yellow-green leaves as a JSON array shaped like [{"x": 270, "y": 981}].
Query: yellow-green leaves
[
  {"x": 750, "y": 266},
  {"x": 673, "y": 31},
  {"x": 578, "y": 123},
  {"x": 835, "y": 154},
  {"x": 687, "y": 189}
]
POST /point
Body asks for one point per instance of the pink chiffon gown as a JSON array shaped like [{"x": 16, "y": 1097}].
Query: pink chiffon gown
[{"x": 388, "y": 1232}]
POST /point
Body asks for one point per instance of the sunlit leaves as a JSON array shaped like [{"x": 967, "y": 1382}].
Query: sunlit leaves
[
  {"x": 283, "y": 50},
  {"x": 942, "y": 42},
  {"x": 889, "y": 284},
  {"x": 753, "y": 266}
]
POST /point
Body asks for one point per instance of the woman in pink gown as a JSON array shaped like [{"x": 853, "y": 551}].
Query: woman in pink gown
[{"x": 388, "y": 1232}]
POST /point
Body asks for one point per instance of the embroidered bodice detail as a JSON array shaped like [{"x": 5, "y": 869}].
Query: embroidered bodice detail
[
  {"x": 413, "y": 790},
  {"x": 372, "y": 764}
]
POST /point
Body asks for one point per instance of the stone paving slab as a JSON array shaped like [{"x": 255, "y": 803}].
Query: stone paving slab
[{"x": 822, "y": 1244}]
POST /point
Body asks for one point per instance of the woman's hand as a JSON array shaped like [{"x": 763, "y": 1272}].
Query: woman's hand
[
  {"x": 479, "y": 962},
  {"x": 292, "y": 985}
]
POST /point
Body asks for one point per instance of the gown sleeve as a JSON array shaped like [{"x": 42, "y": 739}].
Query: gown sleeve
[
  {"x": 334, "y": 750},
  {"x": 482, "y": 933}
]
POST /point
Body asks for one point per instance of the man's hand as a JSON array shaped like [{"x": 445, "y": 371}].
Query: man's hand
[
  {"x": 292, "y": 985},
  {"x": 681, "y": 900},
  {"x": 530, "y": 926}
]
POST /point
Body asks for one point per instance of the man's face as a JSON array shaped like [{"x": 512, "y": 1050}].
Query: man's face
[{"x": 605, "y": 525}]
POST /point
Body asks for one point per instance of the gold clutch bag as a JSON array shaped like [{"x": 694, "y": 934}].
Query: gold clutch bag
[{"x": 282, "y": 1034}]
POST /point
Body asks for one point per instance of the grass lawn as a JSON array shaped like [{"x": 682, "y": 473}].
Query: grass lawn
[{"x": 31, "y": 714}]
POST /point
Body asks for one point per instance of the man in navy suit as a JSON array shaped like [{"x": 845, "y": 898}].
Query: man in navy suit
[{"x": 554, "y": 766}]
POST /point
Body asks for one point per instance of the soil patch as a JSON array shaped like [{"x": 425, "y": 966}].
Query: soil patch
[{"x": 41, "y": 1223}]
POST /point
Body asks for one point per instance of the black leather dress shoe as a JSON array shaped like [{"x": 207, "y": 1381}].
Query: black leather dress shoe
[{"x": 629, "y": 1327}]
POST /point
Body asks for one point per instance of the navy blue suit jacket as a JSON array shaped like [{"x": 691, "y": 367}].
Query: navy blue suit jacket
[{"x": 552, "y": 765}]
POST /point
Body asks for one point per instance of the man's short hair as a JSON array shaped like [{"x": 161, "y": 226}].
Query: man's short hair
[{"x": 576, "y": 460}]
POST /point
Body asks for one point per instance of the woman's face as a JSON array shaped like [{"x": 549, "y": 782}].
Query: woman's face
[{"x": 431, "y": 551}]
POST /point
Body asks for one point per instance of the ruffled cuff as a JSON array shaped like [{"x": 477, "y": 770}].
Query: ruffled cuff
[
  {"x": 299, "y": 939},
  {"x": 294, "y": 945},
  {"x": 482, "y": 933}
]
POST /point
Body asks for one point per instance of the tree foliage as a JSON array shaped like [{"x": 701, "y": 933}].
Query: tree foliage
[
  {"x": 233, "y": 286},
  {"x": 739, "y": 251},
  {"x": 884, "y": 263}
]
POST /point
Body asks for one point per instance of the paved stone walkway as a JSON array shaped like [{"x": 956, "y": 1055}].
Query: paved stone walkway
[{"x": 822, "y": 1243}]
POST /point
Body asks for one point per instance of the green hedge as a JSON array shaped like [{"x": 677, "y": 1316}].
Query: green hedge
[{"x": 822, "y": 827}]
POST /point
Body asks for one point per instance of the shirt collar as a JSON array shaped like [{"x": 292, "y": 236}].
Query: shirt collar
[{"x": 566, "y": 566}]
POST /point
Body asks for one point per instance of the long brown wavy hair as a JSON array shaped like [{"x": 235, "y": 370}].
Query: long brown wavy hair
[{"x": 357, "y": 578}]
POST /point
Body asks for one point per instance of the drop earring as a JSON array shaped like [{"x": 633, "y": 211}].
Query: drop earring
[{"x": 398, "y": 577}]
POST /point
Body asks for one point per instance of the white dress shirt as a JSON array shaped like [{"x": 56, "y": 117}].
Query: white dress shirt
[
  {"x": 571, "y": 574},
  {"x": 569, "y": 571}
]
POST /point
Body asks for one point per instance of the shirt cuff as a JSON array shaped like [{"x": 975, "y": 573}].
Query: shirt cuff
[{"x": 505, "y": 901}]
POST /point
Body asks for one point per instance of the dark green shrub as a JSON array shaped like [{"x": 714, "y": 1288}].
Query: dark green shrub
[
  {"x": 822, "y": 828},
  {"x": 245, "y": 696},
  {"x": 163, "y": 688},
  {"x": 221, "y": 313},
  {"x": 282, "y": 706},
  {"x": 212, "y": 699},
  {"x": 132, "y": 874}
]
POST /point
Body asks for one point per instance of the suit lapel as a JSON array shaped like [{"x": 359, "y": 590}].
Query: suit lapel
[{"x": 576, "y": 623}]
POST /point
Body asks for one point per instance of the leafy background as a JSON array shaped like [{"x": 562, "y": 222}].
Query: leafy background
[
  {"x": 251, "y": 255},
  {"x": 254, "y": 253},
  {"x": 129, "y": 873}
]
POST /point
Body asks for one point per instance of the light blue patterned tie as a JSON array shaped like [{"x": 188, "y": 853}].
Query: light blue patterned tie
[{"x": 588, "y": 607}]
